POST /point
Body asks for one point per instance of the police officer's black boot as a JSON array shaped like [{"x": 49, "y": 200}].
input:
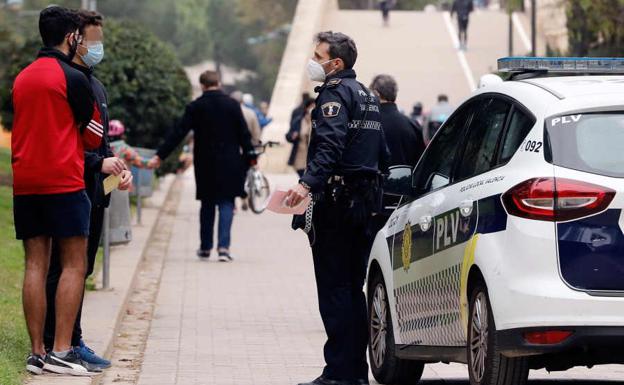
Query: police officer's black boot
[{"x": 326, "y": 381}]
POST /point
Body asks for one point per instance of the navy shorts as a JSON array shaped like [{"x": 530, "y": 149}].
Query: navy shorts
[{"x": 55, "y": 215}]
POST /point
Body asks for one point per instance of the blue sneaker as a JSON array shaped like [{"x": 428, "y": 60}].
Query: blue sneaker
[{"x": 88, "y": 355}]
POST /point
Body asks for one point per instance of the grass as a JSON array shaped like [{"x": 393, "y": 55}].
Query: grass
[{"x": 14, "y": 341}]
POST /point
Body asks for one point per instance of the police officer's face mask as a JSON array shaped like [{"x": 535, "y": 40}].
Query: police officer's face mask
[{"x": 316, "y": 72}]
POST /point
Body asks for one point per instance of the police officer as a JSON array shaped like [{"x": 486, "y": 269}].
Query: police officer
[{"x": 346, "y": 154}]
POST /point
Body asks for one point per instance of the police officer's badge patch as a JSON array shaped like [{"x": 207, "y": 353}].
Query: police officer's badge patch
[
  {"x": 406, "y": 249},
  {"x": 331, "y": 109}
]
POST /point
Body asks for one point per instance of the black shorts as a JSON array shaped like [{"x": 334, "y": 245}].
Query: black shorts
[{"x": 55, "y": 215}]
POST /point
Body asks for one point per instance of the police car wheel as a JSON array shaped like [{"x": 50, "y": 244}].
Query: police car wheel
[
  {"x": 486, "y": 365},
  {"x": 386, "y": 367}
]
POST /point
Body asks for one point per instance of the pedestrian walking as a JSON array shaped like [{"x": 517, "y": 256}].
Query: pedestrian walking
[
  {"x": 385, "y": 6},
  {"x": 98, "y": 165},
  {"x": 437, "y": 116},
  {"x": 221, "y": 154},
  {"x": 417, "y": 114},
  {"x": 299, "y": 136},
  {"x": 263, "y": 119},
  {"x": 347, "y": 151},
  {"x": 298, "y": 112},
  {"x": 250, "y": 118},
  {"x": 56, "y": 120},
  {"x": 462, "y": 8}
]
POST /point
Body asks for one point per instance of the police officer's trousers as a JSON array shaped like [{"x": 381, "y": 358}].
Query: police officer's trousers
[{"x": 341, "y": 252}]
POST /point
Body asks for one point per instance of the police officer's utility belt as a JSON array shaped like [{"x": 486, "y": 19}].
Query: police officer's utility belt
[{"x": 353, "y": 192}]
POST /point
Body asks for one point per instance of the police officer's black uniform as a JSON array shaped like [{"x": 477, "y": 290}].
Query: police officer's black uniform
[{"x": 347, "y": 151}]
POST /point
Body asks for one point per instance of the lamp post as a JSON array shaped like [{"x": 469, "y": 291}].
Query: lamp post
[
  {"x": 533, "y": 27},
  {"x": 510, "y": 12}
]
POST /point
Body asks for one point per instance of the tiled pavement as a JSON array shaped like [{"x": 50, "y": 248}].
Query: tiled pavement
[{"x": 253, "y": 321}]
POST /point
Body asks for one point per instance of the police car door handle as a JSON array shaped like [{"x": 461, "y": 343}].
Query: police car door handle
[
  {"x": 465, "y": 207},
  {"x": 425, "y": 222}
]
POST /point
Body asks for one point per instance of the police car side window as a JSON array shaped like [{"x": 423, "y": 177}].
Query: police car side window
[
  {"x": 483, "y": 138},
  {"x": 434, "y": 169},
  {"x": 519, "y": 127}
]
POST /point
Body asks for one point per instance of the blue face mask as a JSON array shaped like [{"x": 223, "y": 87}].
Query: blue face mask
[{"x": 94, "y": 55}]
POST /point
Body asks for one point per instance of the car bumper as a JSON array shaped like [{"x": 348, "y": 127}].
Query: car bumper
[{"x": 587, "y": 346}]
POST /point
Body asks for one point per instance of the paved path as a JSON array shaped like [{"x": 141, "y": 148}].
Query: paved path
[
  {"x": 253, "y": 321},
  {"x": 418, "y": 49}
]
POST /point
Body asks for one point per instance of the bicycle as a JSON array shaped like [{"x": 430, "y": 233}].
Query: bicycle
[{"x": 257, "y": 185}]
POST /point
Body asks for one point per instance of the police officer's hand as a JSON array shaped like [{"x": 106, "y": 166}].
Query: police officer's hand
[
  {"x": 295, "y": 195},
  {"x": 113, "y": 166},
  {"x": 126, "y": 180}
]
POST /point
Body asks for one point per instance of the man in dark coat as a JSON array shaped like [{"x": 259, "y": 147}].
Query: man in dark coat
[
  {"x": 221, "y": 156},
  {"x": 405, "y": 144}
]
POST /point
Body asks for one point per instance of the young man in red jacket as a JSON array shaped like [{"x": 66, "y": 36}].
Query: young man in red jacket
[{"x": 56, "y": 120}]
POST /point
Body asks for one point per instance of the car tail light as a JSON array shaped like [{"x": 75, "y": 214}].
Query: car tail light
[
  {"x": 551, "y": 337},
  {"x": 556, "y": 199}
]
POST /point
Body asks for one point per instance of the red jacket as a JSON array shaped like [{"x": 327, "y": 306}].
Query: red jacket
[{"x": 56, "y": 119}]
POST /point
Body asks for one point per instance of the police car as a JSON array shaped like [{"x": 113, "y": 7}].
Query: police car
[{"x": 507, "y": 249}]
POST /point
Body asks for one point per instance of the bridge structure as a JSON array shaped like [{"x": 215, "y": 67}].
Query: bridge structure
[{"x": 418, "y": 48}]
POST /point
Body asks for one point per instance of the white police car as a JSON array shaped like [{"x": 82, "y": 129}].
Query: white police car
[{"x": 507, "y": 250}]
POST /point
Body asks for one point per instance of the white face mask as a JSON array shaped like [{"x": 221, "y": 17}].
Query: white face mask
[{"x": 316, "y": 72}]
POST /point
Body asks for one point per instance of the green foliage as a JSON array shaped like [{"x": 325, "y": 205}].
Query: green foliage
[
  {"x": 595, "y": 27},
  {"x": 215, "y": 30},
  {"x": 14, "y": 342},
  {"x": 196, "y": 30},
  {"x": 19, "y": 58},
  {"x": 147, "y": 86}
]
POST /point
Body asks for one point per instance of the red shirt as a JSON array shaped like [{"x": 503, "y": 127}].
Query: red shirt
[{"x": 55, "y": 120}]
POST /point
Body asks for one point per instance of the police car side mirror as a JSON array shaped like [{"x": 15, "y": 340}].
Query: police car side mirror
[
  {"x": 438, "y": 180},
  {"x": 399, "y": 181}
]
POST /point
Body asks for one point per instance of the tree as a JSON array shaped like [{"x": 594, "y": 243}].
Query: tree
[{"x": 595, "y": 27}]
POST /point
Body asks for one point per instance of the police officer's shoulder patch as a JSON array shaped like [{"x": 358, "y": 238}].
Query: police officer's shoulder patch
[
  {"x": 331, "y": 109},
  {"x": 333, "y": 82}
]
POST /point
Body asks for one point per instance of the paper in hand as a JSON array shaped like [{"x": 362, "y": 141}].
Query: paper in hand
[
  {"x": 110, "y": 183},
  {"x": 277, "y": 204}
]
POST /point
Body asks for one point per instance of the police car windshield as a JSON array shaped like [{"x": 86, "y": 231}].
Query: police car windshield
[{"x": 588, "y": 142}]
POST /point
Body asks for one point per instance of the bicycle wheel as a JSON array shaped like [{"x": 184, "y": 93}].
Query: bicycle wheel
[{"x": 259, "y": 192}]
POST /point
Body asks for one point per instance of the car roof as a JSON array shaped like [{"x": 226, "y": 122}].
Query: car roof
[
  {"x": 573, "y": 86},
  {"x": 550, "y": 95}
]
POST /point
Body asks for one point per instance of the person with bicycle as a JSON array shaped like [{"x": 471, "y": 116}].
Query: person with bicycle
[{"x": 222, "y": 154}]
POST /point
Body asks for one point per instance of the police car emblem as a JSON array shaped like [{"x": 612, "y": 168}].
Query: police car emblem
[
  {"x": 331, "y": 109},
  {"x": 406, "y": 249}
]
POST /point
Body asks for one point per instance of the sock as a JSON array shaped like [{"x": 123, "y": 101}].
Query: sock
[{"x": 61, "y": 354}]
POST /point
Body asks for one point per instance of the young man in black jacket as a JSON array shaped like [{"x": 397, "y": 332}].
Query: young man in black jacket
[{"x": 99, "y": 163}]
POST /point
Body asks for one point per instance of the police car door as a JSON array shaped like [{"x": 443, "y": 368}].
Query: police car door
[{"x": 422, "y": 283}]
